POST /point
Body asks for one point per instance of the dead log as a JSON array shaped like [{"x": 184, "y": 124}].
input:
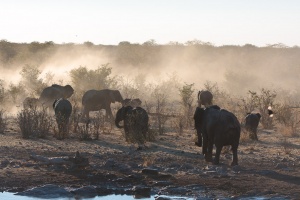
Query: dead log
[{"x": 76, "y": 161}]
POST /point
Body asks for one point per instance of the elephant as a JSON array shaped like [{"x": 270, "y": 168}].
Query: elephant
[
  {"x": 220, "y": 128},
  {"x": 94, "y": 100},
  {"x": 205, "y": 98},
  {"x": 50, "y": 94},
  {"x": 132, "y": 102},
  {"x": 63, "y": 110},
  {"x": 135, "y": 123},
  {"x": 30, "y": 103},
  {"x": 251, "y": 124},
  {"x": 198, "y": 122}
]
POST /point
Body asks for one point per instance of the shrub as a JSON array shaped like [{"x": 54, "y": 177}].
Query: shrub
[
  {"x": 261, "y": 102},
  {"x": 34, "y": 123},
  {"x": 186, "y": 93},
  {"x": 3, "y": 122}
]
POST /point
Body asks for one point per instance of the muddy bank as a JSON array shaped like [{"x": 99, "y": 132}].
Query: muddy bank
[{"x": 172, "y": 165}]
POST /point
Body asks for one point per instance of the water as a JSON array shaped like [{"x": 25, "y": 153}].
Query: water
[{"x": 12, "y": 196}]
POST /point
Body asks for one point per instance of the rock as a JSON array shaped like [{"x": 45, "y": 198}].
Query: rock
[
  {"x": 150, "y": 171},
  {"x": 162, "y": 183},
  {"x": 110, "y": 163},
  {"x": 186, "y": 167},
  {"x": 142, "y": 191},
  {"x": 281, "y": 166},
  {"x": 85, "y": 192},
  {"x": 103, "y": 191},
  {"x": 47, "y": 191},
  {"x": 4, "y": 163}
]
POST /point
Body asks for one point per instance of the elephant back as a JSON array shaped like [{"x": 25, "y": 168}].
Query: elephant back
[
  {"x": 229, "y": 119},
  {"x": 49, "y": 94},
  {"x": 252, "y": 120},
  {"x": 63, "y": 107}
]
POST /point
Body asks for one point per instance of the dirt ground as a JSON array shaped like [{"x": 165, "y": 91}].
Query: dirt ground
[{"x": 269, "y": 167}]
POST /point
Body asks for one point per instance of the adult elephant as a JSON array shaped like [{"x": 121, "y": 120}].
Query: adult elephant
[
  {"x": 94, "y": 100},
  {"x": 50, "y": 94},
  {"x": 63, "y": 110},
  {"x": 251, "y": 124},
  {"x": 205, "y": 98},
  {"x": 135, "y": 123},
  {"x": 220, "y": 128}
]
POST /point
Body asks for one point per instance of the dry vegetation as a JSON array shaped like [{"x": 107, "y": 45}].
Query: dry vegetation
[{"x": 242, "y": 79}]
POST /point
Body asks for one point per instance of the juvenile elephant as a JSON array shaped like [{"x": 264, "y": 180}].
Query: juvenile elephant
[
  {"x": 49, "y": 94},
  {"x": 220, "y": 128},
  {"x": 251, "y": 124},
  {"x": 63, "y": 109},
  {"x": 135, "y": 123},
  {"x": 205, "y": 98},
  {"x": 30, "y": 103},
  {"x": 94, "y": 100}
]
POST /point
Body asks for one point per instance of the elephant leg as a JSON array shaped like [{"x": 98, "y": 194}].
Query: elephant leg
[
  {"x": 208, "y": 155},
  {"x": 217, "y": 156},
  {"x": 205, "y": 144},
  {"x": 255, "y": 134},
  {"x": 199, "y": 142},
  {"x": 109, "y": 114},
  {"x": 234, "y": 155}
]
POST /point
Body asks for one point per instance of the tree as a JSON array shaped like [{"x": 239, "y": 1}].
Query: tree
[
  {"x": 84, "y": 79},
  {"x": 186, "y": 93},
  {"x": 31, "y": 81}
]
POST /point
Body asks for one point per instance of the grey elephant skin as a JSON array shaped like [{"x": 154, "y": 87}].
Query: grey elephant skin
[
  {"x": 135, "y": 123},
  {"x": 50, "y": 94},
  {"x": 63, "y": 110},
  {"x": 94, "y": 100},
  {"x": 220, "y": 128},
  {"x": 198, "y": 115},
  {"x": 205, "y": 98},
  {"x": 251, "y": 124}
]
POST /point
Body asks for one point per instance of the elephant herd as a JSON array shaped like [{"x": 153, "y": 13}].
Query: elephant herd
[
  {"x": 215, "y": 127},
  {"x": 135, "y": 118}
]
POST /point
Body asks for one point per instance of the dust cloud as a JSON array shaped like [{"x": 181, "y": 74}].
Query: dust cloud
[{"x": 235, "y": 69}]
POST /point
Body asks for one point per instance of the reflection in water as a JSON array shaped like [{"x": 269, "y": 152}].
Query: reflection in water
[{"x": 11, "y": 196}]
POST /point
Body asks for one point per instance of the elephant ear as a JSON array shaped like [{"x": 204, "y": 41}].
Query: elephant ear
[
  {"x": 258, "y": 115},
  {"x": 68, "y": 91}
]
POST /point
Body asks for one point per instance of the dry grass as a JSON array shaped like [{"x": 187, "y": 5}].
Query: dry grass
[
  {"x": 3, "y": 122},
  {"x": 287, "y": 148},
  {"x": 287, "y": 130},
  {"x": 245, "y": 136}
]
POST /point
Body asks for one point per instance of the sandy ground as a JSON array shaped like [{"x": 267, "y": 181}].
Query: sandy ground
[{"x": 269, "y": 167}]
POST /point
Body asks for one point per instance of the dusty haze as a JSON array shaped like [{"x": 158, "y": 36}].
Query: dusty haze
[{"x": 236, "y": 69}]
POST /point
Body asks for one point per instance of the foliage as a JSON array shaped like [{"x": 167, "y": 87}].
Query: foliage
[
  {"x": 186, "y": 93},
  {"x": 2, "y": 91},
  {"x": 16, "y": 92},
  {"x": 84, "y": 79},
  {"x": 261, "y": 102},
  {"x": 3, "y": 122},
  {"x": 30, "y": 79},
  {"x": 34, "y": 123}
]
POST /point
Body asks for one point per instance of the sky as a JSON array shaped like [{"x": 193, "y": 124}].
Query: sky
[{"x": 108, "y": 22}]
